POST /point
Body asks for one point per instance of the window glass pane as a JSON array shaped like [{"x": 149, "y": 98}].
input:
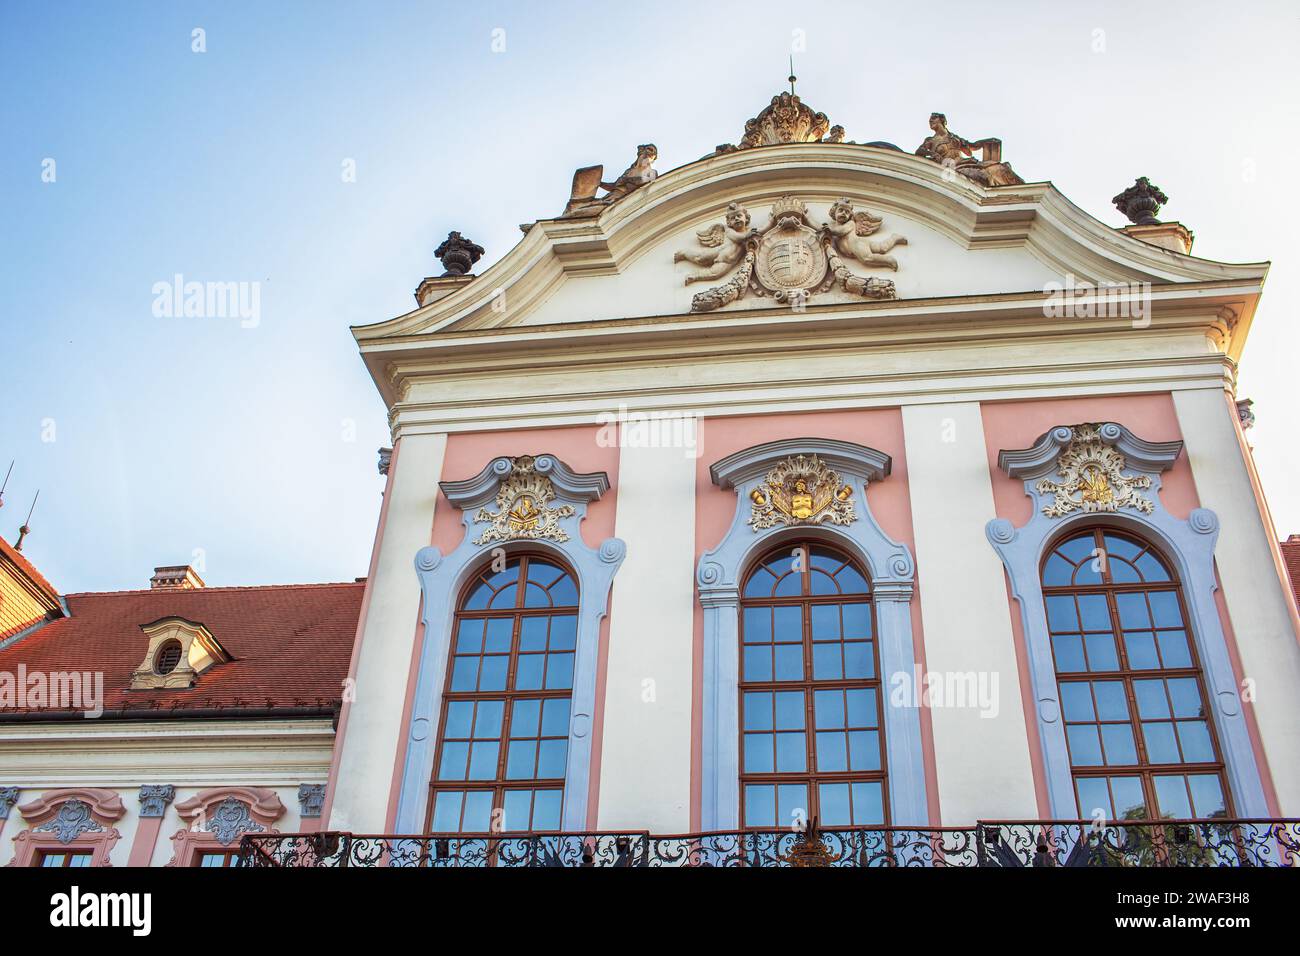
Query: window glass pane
[
  {"x": 787, "y": 624},
  {"x": 460, "y": 716},
  {"x": 1085, "y": 746},
  {"x": 1121, "y": 547},
  {"x": 532, "y": 634},
  {"x": 505, "y": 597},
  {"x": 487, "y": 719},
  {"x": 821, "y": 583},
  {"x": 1077, "y": 548},
  {"x": 1057, "y": 572},
  {"x": 758, "y": 625},
  {"x": 1088, "y": 573},
  {"x": 521, "y": 761},
  {"x": 559, "y": 671},
  {"x": 492, "y": 676},
  {"x": 1171, "y": 795},
  {"x": 1133, "y": 611},
  {"x": 1151, "y": 699},
  {"x": 564, "y": 632},
  {"x": 1186, "y": 695},
  {"x": 497, "y": 640},
  {"x": 455, "y": 755},
  {"x": 828, "y": 706},
  {"x": 758, "y": 711},
  {"x": 857, "y": 620},
  {"x": 1069, "y": 653},
  {"x": 760, "y": 584},
  {"x": 1173, "y": 649},
  {"x": 1101, "y": 652},
  {"x": 469, "y": 637},
  {"x": 523, "y": 718},
  {"x": 1129, "y": 801},
  {"x": 825, "y": 622},
  {"x": 483, "y": 761},
  {"x": 864, "y": 750},
  {"x": 518, "y": 805},
  {"x": 859, "y": 663},
  {"x": 861, "y": 708},
  {"x": 759, "y": 756},
  {"x": 1194, "y": 735},
  {"x": 551, "y": 758},
  {"x": 835, "y": 810},
  {"x": 760, "y": 805},
  {"x": 564, "y": 593},
  {"x": 478, "y": 811},
  {"x": 832, "y": 754},
  {"x": 1151, "y": 568},
  {"x": 1118, "y": 741},
  {"x": 446, "y": 811},
  {"x": 788, "y": 661},
  {"x": 791, "y": 803},
  {"x": 1164, "y": 608},
  {"x": 1160, "y": 742},
  {"x": 868, "y": 804},
  {"x": 1076, "y": 701},
  {"x": 758, "y": 663},
  {"x": 464, "y": 674},
  {"x": 851, "y": 581},
  {"x": 52, "y": 859},
  {"x": 789, "y": 710},
  {"x": 828, "y": 662},
  {"x": 1207, "y": 795},
  {"x": 1112, "y": 703},
  {"x": 1121, "y": 572},
  {"x": 478, "y": 598},
  {"x": 1094, "y": 612},
  {"x": 555, "y": 718},
  {"x": 1093, "y": 796},
  {"x": 546, "y": 809},
  {"x": 536, "y": 596},
  {"x": 1141, "y": 649},
  {"x": 789, "y": 586},
  {"x": 1061, "y": 614}
]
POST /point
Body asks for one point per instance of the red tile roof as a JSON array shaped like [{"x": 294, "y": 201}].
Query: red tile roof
[
  {"x": 1291, "y": 555},
  {"x": 290, "y": 644}
]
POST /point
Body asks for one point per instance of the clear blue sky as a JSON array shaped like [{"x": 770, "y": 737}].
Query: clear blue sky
[{"x": 257, "y": 445}]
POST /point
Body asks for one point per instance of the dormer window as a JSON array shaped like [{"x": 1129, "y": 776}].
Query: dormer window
[
  {"x": 168, "y": 656},
  {"x": 178, "y": 652}
]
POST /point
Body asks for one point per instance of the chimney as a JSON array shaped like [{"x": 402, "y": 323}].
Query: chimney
[{"x": 179, "y": 576}]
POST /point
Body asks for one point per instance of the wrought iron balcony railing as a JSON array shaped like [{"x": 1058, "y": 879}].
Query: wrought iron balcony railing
[{"x": 1182, "y": 843}]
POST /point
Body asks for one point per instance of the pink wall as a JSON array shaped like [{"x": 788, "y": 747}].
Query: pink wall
[
  {"x": 1009, "y": 425},
  {"x": 881, "y": 429},
  {"x": 466, "y": 455}
]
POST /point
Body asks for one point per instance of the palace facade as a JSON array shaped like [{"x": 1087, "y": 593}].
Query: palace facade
[{"x": 836, "y": 501}]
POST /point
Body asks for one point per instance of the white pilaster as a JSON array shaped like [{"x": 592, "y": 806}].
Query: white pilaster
[
  {"x": 1252, "y": 590},
  {"x": 373, "y": 727},
  {"x": 645, "y": 764},
  {"x": 983, "y": 761}
]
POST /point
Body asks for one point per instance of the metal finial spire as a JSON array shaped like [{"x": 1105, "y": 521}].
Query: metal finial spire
[
  {"x": 24, "y": 530},
  {"x": 6, "y": 484},
  {"x": 792, "y": 77}
]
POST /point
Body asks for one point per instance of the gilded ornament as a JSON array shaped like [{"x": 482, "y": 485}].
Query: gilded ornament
[
  {"x": 802, "y": 489},
  {"x": 1093, "y": 479},
  {"x": 523, "y": 508}
]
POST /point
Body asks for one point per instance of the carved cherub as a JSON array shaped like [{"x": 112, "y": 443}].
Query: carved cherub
[
  {"x": 849, "y": 232},
  {"x": 724, "y": 244}
]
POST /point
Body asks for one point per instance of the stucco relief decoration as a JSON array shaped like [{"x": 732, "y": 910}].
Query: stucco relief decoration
[
  {"x": 230, "y": 819},
  {"x": 72, "y": 820},
  {"x": 801, "y": 490},
  {"x": 1092, "y": 478},
  {"x": 523, "y": 508},
  {"x": 790, "y": 258}
]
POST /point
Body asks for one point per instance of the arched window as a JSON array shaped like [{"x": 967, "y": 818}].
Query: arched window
[
  {"x": 1137, "y": 725},
  {"x": 504, "y": 731},
  {"x": 812, "y": 743}
]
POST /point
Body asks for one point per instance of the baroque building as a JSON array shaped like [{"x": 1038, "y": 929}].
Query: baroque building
[{"x": 825, "y": 498}]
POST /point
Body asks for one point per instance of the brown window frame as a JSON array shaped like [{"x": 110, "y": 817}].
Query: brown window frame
[
  {"x": 1143, "y": 769},
  {"x": 499, "y": 784},
  {"x": 810, "y": 778},
  {"x": 228, "y": 858},
  {"x": 68, "y": 854}
]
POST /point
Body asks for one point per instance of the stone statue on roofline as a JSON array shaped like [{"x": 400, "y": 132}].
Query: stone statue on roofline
[
  {"x": 582, "y": 199},
  {"x": 953, "y": 152}
]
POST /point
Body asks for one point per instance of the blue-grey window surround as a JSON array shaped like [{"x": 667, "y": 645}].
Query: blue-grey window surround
[
  {"x": 719, "y": 576},
  {"x": 1189, "y": 547},
  {"x": 441, "y": 580}
]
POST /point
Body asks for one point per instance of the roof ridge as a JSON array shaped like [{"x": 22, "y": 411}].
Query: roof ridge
[{"x": 229, "y": 587}]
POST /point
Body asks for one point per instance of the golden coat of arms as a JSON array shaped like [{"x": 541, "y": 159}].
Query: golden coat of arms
[
  {"x": 524, "y": 508},
  {"x": 801, "y": 489},
  {"x": 1092, "y": 479}
]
